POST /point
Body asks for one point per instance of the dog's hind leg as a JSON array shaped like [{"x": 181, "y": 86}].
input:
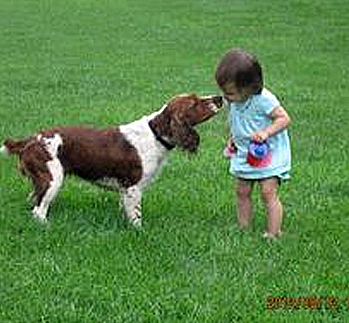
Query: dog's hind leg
[
  {"x": 46, "y": 191},
  {"x": 131, "y": 200},
  {"x": 39, "y": 162}
]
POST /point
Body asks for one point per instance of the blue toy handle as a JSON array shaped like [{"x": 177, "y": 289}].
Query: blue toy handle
[{"x": 258, "y": 149}]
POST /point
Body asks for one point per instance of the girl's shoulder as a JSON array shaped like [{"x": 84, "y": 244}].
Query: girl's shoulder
[{"x": 266, "y": 100}]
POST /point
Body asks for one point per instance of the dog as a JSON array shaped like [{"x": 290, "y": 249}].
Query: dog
[{"x": 124, "y": 158}]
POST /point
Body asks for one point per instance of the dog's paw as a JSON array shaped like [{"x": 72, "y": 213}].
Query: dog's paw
[
  {"x": 39, "y": 214},
  {"x": 136, "y": 223}
]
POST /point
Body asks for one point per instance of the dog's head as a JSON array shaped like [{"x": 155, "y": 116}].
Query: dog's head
[{"x": 176, "y": 121}]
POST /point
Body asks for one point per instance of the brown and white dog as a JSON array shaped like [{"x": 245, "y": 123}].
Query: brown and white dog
[{"x": 123, "y": 158}]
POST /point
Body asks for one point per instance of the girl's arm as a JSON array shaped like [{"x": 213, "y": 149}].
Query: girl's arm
[{"x": 281, "y": 120}]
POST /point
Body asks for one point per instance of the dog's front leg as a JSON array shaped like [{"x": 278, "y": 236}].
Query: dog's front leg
[{"x": 131, "y": 201}]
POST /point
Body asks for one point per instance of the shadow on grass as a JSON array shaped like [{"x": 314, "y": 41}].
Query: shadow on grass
[{"x": 86, "y": 208}]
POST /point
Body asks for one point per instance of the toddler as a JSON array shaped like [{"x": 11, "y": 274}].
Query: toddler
[{"x": 255, "y": 117}]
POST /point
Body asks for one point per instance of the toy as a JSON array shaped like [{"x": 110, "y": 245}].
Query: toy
[{"x": 259, "y": 154}]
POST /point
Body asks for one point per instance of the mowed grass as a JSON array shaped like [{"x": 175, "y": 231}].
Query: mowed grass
[{"x": 110, "y": 62}]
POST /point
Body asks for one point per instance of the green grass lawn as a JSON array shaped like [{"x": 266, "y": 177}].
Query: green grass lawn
[{"x": 110, "y": 62}]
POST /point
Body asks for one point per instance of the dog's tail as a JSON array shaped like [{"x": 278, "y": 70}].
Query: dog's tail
[{"x": 14, "y": 147}]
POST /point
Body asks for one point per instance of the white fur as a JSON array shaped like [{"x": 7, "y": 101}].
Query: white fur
[
  {"x": 4, "y": 151},
  {"x": 57, "y": 172},
  {"x": 131, "y": 202},
  {"x": 52, "y": 144},
  {"x": 149, "y": 149},
  {"x": 152, "y": 154}
]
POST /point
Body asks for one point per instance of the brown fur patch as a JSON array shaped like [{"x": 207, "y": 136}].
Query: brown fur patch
[
  {"x": 33, "y": 163},
  {"x": 98, "y": 154}
]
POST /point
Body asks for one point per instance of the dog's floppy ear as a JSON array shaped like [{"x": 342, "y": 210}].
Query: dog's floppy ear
[{"x": 183, "y": 134}]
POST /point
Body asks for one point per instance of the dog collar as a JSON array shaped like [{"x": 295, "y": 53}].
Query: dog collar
[{"x": 158, "y": 137}]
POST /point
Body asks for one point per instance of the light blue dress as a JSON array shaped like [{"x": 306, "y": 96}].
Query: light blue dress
[{"x": 248, "y": 117}]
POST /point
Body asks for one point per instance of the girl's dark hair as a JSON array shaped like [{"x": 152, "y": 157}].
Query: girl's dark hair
[{"x": 242, "y": 69}]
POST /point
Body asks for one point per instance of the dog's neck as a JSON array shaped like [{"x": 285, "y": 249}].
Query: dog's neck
[
  {"x": 156, "y": 124},
  {"x": 159, "y": 137}
]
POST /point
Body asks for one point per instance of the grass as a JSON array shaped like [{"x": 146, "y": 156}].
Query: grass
[{"x": 103, "y": 63}]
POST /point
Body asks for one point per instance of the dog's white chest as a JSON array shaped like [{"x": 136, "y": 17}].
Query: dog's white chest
[{"x": 150, "y": 151}]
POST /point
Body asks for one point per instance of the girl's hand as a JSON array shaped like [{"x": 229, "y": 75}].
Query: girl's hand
[
  {"x": 230, "y": 149},
  {"x": 231, "y": 145},
  {"x": 260, "y": 136},
  {"x": 280, "y": 121}
]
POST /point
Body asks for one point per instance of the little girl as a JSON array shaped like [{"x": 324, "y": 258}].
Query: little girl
[{"x": 255, "y": 115}]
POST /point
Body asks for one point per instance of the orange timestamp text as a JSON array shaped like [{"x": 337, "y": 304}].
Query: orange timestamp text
[{"x": 305, "y": 302}]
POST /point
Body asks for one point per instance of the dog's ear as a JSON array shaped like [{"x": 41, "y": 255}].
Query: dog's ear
[{"x": 183, "y": 134}]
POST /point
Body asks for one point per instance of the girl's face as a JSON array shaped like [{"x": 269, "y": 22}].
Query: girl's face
[{"x": 232, "y": 94}]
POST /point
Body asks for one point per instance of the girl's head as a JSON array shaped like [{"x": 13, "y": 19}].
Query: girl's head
[{"x": 239, "y": 75}]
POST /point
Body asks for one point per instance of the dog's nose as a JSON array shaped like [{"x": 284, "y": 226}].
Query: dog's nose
[{"x": 218, "y": 100}]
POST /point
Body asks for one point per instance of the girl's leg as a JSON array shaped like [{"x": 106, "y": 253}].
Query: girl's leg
[
  {"x": 269, "y": 192},
  {"x": 244, "y": 203}
]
